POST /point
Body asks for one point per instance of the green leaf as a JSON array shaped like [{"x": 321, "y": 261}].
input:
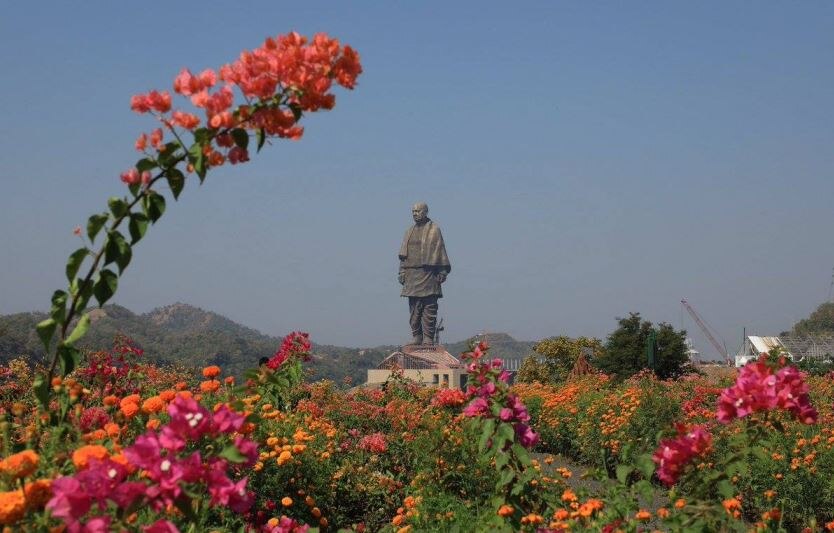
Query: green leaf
[
  {"x": 145, "y": 164},
  {"x": 85, "y": 290},
  {"x": 117, "y": 206},
  {"x": 296, "y": 111},
  {"x": 106, "y": 286},
  {"x": 41, "y": 389},
  {"x": 59, "y": 306},
  {"x": 521, "y": 454},
  {"x": 198, "y": 160},
  {"x": 202, "y": 136},
  {"x": 240, "y": 137},
  {"x": 45, "y": 331},
  {"x": 138, "y": 226},
  {"x": 117, "y": 249},
  {"x": 501, "y": 460},
  {"x": 154, "y": 205},
  {"x": 486, "y": 434},
  {"x": 645, "y": 465},
  {"x": 74, "y": 262},
  {"x": 80, "y": 330},
  {"x": 623, "y": 472},
  {"x": 176, "y": 180},
  {"x": 69, "y": 358},
  {"x": 645, "y": 489},
  {"x": 94, "y": 225},
  {"x": 232, "y": 454},
  {"x": 725, "y": 489},
  {"x": 261, "y": 138},
  {"x": 507, "y": 476}
]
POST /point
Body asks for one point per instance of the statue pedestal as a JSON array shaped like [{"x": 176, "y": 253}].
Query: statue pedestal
[{"x": 427, "y": 364}]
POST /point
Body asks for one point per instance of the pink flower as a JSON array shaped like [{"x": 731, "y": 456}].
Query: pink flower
[
  {"x": 161, "y": 526},
  {"x": 757, "y": 389},
  {"x": 131, "y": 176},
  {"x": 69, "y": 502},
  {"x": 506, "y": 414},
  {"x": 374, "y": 443},
  {"x": 476, "y": 407},
  {"x": 526, "y": 436},
  {"x": 672, "y": 455}
]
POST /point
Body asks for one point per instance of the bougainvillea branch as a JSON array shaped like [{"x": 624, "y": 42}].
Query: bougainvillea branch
[{"x": 286, "y": 77}]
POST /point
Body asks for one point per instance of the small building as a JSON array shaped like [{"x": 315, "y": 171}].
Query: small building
[
  {"x": 794, "y": 347},
  {"x": 429, "y": 365}
]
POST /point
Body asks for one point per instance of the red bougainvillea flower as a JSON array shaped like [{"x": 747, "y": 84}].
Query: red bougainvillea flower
[
  {"x": 672, "y": 455},
  {"x": 296, "y": 343}
]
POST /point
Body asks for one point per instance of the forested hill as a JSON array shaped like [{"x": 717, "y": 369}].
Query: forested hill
[{"x": 187, "y": 335}]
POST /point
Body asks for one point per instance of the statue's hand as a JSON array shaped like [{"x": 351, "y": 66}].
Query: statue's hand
[
  {"x": 401, "y": 278},
  {"x": 441, "y": 277}
]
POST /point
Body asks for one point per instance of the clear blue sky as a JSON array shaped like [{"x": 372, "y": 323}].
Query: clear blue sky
[{"x": 583, "y": 159}]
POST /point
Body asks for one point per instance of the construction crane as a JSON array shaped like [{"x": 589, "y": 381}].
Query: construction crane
[{"x": 722, "y": 350}]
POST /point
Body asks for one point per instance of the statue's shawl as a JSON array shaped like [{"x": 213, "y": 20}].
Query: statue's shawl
[{"x": 432, "y": 249}]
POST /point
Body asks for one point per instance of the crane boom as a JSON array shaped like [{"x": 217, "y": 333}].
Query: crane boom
[{"x": 721, "y": 350}]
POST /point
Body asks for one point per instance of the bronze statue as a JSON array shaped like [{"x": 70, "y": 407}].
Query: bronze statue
[{"x": 424, "y": 266}]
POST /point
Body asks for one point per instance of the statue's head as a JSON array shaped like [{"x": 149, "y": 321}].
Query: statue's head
[{"x": 420, "y": 212}]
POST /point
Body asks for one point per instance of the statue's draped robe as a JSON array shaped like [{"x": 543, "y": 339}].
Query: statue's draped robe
[{"x": 422, "y": 258}]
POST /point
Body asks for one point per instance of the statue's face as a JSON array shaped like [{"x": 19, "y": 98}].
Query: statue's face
[{"x": 419, "y": 212}]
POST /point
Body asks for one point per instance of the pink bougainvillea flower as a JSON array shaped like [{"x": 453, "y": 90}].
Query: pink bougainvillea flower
[{"x": 672, "y": 455}]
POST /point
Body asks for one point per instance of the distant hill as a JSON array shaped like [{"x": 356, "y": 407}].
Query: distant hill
[{"x": 187, "y": 335}]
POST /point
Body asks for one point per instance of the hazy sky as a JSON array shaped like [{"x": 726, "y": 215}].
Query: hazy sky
[{"x": 583, "y": 160}]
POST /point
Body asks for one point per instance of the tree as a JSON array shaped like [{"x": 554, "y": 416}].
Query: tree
[
  {"x": 554, "y": 358},
  {"x": 821, "y": 321},
  {"x": 625, "y": 349}
]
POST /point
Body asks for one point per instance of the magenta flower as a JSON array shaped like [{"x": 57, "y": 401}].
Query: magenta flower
[
  {"x": 672, "y": 455},
  {"x": 476, "y": 407},
  {"x": 161, "y": 526}
]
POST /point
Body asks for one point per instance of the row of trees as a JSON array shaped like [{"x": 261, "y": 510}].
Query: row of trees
[{"x": 623, "y": 354}]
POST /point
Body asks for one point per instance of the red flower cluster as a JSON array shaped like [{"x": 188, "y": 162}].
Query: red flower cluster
[
  {"x": 285, "y": 77},
  {"x": 297, "y": 344},
  {"x": 374, "y": 443},
  {"x": 674, "y": 454},
  {"x": 758, "y": 389},
  {"x": 449, "y": 398}
]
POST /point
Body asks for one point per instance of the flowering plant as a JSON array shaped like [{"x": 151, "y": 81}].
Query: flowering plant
[{"x": 278, "y": 82}]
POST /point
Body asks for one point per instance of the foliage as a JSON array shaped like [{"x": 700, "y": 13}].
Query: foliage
[
  {"x": 554, "y": 358},
  {"x": 821, "y": 321},
  {"x": 625, "y": 349}
]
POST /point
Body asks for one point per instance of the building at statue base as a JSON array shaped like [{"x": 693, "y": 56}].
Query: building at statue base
[{"x": 429, "y": 365}]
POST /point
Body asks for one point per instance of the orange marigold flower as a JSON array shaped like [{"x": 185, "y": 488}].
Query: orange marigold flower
[
  {"x": 286, "y": 501},
  {"x": 211, "y": 371},
  {"x": 561, "y": 514},
  {"x": 110, "y": 400},
  {"x": 38, "y": 493},
  {"x": 153, "y": 423},
  {"x": 20, "y": 464},
  {"x": 568, "y": 496},
  {"x": 182, "y": 385},
  {"x": 643, "y": 515},
  {"x": 505, "y": 510},
  {"x": 82, "y": 456},
  {"x": 133, "y": 398},
  {"x": 209, "y": 386},
  {"x": 12, "y": 506},
  {"x": 397, "y": 520},
  {"x": 112, "y": 429},
  {"x": 829, "y": 526},
  {"x": 680, "y": 503},
  {"x": 229, "y": 380},
  {"x": 185, "y": 394},
  {"x": 168, "y": 395},
  {"x": 663, "y": 512},
  {"x": 154, "y": 404},
  {"x": 129, "y": 409}
]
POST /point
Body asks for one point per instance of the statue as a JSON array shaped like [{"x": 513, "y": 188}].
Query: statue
[{"x": 423, "y": 268}]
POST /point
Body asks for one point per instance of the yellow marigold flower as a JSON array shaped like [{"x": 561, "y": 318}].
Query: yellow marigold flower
[
  {"x": 12, "y": 507},
  {"x": 82, "y": 456},
  {"x": 211, "y": 371}
]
